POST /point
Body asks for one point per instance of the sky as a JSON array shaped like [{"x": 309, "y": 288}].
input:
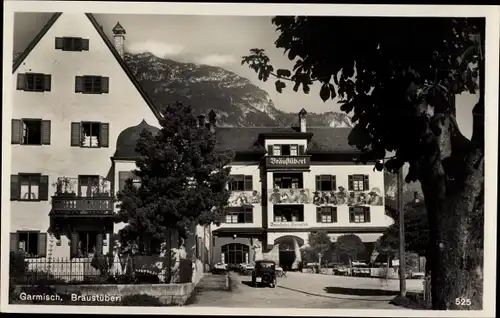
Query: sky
[{"x": 213, "y": 40}]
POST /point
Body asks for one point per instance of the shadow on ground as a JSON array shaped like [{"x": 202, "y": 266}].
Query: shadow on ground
[
  {"x": 249, "y": 283},
  {"x": 359, "y": 291},
  {"x": 411, "y": 301}
]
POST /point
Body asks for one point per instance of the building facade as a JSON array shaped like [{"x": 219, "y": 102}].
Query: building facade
[{"x": 288, "y": 182}]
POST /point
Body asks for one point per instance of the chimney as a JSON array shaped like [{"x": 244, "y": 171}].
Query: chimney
[
  {"x": 119, "y": 38},
  {"x": 302, "y": 120},
  {"x": 212, "y": 120},
  {"x": 201, "y": 121}
]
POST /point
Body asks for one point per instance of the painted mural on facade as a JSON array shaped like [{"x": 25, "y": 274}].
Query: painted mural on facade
[
  {"x": 350, "y": 198},
  {"x": 301, "y": 196},
  {"x": 242, "y": 198}
]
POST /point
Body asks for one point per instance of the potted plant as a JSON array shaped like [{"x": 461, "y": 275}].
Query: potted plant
[
  {"x": 64, "y": 187},
  {"x": 101, "y": 190}
]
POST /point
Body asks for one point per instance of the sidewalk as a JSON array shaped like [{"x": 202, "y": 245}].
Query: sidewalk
[{"x": 346, "y": 287}]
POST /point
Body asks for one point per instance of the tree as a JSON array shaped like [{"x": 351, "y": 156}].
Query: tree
[
  {"x": 351, "y": 247},
  {"x": 320, "y": 242},
  {"x": 399, "y": 77},
  {"x": 182, "y": 181}
]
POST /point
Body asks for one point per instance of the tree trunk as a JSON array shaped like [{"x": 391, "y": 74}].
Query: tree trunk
[
  {"x": 456, "y": 234},
  {"x": 319, "y": 259}
]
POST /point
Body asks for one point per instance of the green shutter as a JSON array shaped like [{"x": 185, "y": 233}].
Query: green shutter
[
  {"x": 45, "y": 132},
  {"x": 15, "y": 187},
  {"x": 104, "y": 134},
  {"x": 78, "y": 84},
  {"x": 14, "y": 246},
  {"x": 318, "y": 215},
  {"x": 17, "y": 131},
  {"x": 99, "y": 243},
  {"x": 76, "y": 137},
  {"x": 47, "y": 79},
  {"x": 85, "y": 44},
  {"x": 367, "y": 214},
  {"x": 334, "y": 183},
  {"x": 318, "y": 183},
  {"x": 269, "y": 150},
  {"x": 122, "y": 179},
  {"x": 351, "y": 215},
  {"x": 248, "y": 215},
  {"x": 302, "y": 150},
  {"x": 350, "y": 186},
  {"x": 105, "y": 85},
  {"x": 248, "y": 180},
  {"x": 43, "y": 191},
  {"x": 59, "y": 43},
  {"x": 21, "y": 82},
  {"x": 366, "y": 183},
  {"x": 74, "y": 244},
  {"x": 334, "y": 214},
  {"x": 42, "y": 244}
]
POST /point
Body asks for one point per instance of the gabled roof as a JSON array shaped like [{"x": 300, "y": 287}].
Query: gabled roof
[
  {"x": 245, "y": 139},
  {"x": 20, "y": 59}
]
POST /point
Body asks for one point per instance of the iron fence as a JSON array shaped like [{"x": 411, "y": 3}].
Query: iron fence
[{"x": 104, "y": 269}]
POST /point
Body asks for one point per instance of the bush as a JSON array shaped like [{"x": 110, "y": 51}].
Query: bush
[
  {"x": 186, "y": 271},
  {"x": 18, "y": 266},
  {"x": 140, "y": 300}
]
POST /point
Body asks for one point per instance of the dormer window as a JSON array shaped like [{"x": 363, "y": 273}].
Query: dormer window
[
  {"x": 74, "y": 44},
  {"x": 285, "y": 150}
]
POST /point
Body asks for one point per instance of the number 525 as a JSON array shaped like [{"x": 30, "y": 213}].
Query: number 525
[{"x": 462, "y": 301}]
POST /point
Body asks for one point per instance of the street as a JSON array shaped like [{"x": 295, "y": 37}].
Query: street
[{"x": 302, "y": 290}]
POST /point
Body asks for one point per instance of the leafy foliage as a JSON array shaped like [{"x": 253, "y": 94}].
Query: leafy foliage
[
  {"x": 392, "y": 74},
  {"x": 183, "y": 178},
  {"x": 350, "y": 246},
  {"x": 320, "y": 242}
]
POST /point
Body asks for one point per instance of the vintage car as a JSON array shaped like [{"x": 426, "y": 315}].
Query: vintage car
[{"x": 264, "y": 273}]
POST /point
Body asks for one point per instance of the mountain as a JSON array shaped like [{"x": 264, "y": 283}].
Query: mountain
[{"x": 237, "y": 101}]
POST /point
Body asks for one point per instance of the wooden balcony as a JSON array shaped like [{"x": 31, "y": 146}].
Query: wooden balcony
[{"x": 73, "y": 206}]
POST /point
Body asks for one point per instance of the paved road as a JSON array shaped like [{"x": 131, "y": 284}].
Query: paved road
[{"x": 298, "y": 290}]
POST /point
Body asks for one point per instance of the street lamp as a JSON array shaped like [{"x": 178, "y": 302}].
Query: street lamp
[{"x": 402, "y": 261}]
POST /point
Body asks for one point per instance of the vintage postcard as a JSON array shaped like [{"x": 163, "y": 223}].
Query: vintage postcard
[{"x": 257, "y": 158}]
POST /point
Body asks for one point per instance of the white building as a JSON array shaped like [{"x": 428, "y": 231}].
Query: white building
[{"x": 289, "y": 182}]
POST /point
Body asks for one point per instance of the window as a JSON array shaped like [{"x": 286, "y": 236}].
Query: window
[
  {"x": 123, "y": 176},
  {"x": 326, "y": 214},
  {"x": 32, "y": 243},
  {"x": 289, "y": 213},
  {"x": 358, "y": 182},
  {"x": 234, "y": 253},
  {"x": 239, "y": 215},
  {"x": 288, "y": 180},
  {"x": 285, "y": 150},
  {"x": 30, "y": 132},
  {"x": 241, "y": 182},
  {"x": 72, "y": 44},
  {"x": 326, "y": 183},
  {"x": 29, "y": 187},
  {"x": 33, "y": 82},
  {"x": 90, "y": 134},
  {"x": 91, "y": 84},
  {"x": 359, "y": 214},
  {"x": 88, "y": 185},
  {"x": 86, "y": 243}
]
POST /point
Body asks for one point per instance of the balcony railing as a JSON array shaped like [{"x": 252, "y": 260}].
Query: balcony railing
[
  {"x": 242, "y": 198},
  {"x": 290, "y": 196},
  {"x": 66, "y": 205},
  {"x": 351, "y": 198}
]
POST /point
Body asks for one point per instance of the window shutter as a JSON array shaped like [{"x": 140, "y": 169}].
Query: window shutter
[
  {"x": 85, "y": 44},
  {"x": 59, "y": 43},
  {"x": 318, "y": 183},
  {"x": 318, "y": 215},
  {"x": 351, "y": 215},
  {"x": 366, "y": 184},
  {"x": 334, "y": 183},
  {"x": 17, "y": 131},
  {"x": 248, "y": 183},
  {"x": 270, "y": 150},
  {"x": 350, "y": 186},
  {"x": 302, "y": 150},
  {"x": 104, "y": 85},
  {"x": 13, "y": 242},
  {"x": 367, "y": 214},
  {"x": 334, "y": 215},
  {"x": 44, "y": 188},
  {"x": 78, "y": 84},
  {"x": 74, "y": 244},
  {"x": 249, "y": 216},
  {"x": 76, "y": 138},
  {"x": 122, "y": 179},
  {"x": 15, "y": 187},
  {"x": 45, "y": 132},
  {"x": 99, "y": 243},
  {"x": 104, "y": 135},
  {"x": 47, "y": 79},
  {"x": 42, "y": 244},
  {"x": 21, "y": 82}
]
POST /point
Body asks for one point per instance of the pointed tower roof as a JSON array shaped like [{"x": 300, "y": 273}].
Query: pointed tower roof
[{"x": 118, "y": 29}]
